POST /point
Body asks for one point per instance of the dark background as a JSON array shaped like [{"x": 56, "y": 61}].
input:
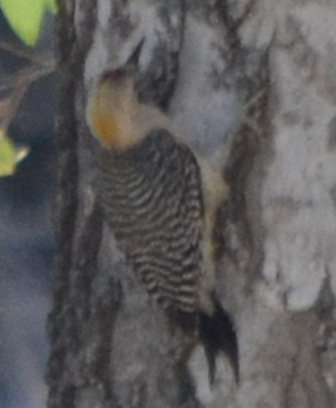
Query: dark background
[{"x": 26, "y": 240}]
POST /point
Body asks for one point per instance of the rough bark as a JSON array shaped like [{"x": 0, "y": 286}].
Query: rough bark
[{"x": 252, "y": 87}]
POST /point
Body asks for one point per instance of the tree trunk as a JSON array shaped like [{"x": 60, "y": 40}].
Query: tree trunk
[{"x": 251, "y": 86}]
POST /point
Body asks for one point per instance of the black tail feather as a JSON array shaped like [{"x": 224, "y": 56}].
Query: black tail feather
[{"x": 217, "y": 333}]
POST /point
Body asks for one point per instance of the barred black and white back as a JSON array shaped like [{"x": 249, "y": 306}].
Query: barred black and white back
[{"x": 153, "y": 203}]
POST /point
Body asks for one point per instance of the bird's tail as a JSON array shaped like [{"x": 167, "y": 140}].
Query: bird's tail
[{"x": 217, "y": 333}]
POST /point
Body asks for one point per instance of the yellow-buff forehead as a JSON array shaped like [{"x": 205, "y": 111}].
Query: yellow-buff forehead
[
  {"x": 100, "y": 116},
  {"x": 109, "y": 111}
]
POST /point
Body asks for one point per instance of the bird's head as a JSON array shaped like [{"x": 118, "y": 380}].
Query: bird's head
[{"x": 112, "y": 105}]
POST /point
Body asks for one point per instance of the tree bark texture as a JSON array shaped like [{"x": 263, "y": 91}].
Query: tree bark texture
[{"x": 251, "y": 84}]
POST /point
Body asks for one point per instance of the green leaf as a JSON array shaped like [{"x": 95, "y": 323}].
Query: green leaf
[
  {"x": 9, "y": 155},
  {"x": 25, "y": 17}
]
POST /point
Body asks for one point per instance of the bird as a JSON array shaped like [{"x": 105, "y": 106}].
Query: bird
[{"x": 159, "y": 198}]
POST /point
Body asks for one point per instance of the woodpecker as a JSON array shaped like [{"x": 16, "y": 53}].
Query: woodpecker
[{"x": 159, "y": 199}]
